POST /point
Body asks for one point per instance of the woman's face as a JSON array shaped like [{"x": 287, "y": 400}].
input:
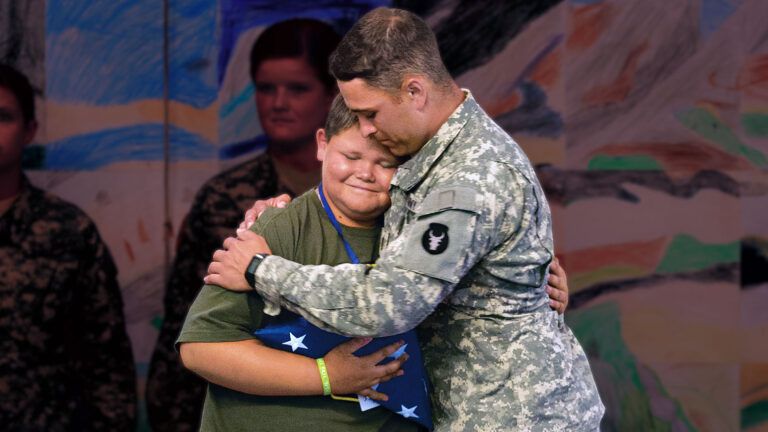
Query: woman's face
[{"x": 291, "y": 101}]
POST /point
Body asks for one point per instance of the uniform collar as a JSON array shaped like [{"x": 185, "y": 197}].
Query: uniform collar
[{"x": 413, "y": 171}]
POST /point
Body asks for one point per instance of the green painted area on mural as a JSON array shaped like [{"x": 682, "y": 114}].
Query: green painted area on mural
[
  {"x": 635, "y": 162},
  {"x": 685, "y": 253},
  {"x": 755, "y": 414},
  {"x": 710, "y": 127},
  {"x": 625, "y": 394},
  {"x": 580, "y": 281},
  {"x": 157, "y": 322},
  {"x": 755, "y": 124}
]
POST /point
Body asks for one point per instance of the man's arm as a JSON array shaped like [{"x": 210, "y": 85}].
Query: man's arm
[
  {"x": 407, "y": 283},
  {"x": 102, "y": 351}
]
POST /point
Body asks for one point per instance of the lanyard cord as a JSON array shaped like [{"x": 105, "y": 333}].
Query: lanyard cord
[{"x": 351, "y": 253}]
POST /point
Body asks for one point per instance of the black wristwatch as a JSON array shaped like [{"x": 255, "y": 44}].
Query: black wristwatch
[{"x": 250, "y": 271}]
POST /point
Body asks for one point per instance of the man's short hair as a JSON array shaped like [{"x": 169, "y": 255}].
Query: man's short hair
[
  {"x": 18, "y": 84},
  {"x": 339, "y": 119},
  {"x": 385, "y": 45},
  {"x": 304, "y": 38}
]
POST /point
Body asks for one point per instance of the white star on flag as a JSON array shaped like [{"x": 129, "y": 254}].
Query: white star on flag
[
  {"x": 400, "y": 351},
  {"x": 296, "y": 342},
  {"x": 408, "y": 412}
]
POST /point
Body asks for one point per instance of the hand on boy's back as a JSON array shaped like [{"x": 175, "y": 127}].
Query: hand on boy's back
[
  {"x": 228, "y": 267},
  {"x": 258, "y": 208},
  {"x": 557, "y": 287}
]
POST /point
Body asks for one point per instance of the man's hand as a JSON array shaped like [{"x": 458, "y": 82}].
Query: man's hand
[
  {"x": 557, "y": 287},
  {"x": 258, "y": 208},
  {"x": 351, "y": 374},
  {"x": 228, "y": 267}
]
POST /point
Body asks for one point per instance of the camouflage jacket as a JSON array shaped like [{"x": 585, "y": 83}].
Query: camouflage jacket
[
  {"x": 66, "y": 362},
  {"x": 468, "y": 241},
  {"x": 174, "y": 395}
]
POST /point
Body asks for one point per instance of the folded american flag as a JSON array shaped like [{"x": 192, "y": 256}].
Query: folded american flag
[{"x": 408, "y": 394}]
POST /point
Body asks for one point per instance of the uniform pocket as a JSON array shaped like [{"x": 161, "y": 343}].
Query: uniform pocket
[{"x": 439, "y": 238}]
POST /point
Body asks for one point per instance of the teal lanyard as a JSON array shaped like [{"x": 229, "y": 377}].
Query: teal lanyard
[{"x": 352, "y": 256}]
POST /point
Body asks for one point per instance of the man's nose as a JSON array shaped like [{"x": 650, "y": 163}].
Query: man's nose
[{"x": 366, "y": 127}]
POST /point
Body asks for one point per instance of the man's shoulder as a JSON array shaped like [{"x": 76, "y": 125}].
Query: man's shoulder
[
  {"x": 257, "y": 173},
  {"x": 57, "y": 225},
  {"x": 57, "y": 214},
  {"x": 225, "y": 196}
]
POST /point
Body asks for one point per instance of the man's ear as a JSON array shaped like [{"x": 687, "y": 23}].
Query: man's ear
[
  {"x": 415, "y": 90},
  {"x": 29, "y": 132},
  {"x": 322, "y": 143}
]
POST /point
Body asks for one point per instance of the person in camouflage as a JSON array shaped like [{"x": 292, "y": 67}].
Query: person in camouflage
[
  {"x": 289, "y": 68},
  {"x": 465, "y": 247},
  {"x": 66, "y": 362}
]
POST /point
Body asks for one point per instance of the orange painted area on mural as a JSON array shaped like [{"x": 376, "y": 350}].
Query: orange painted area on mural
[
  {"x": 679, "y": 158},
  {"x": 129, "y": 250},
  {"x": 142, "y": 230},
  {"x": 588, "y": 23},
  {"x": 716, "y": 105},
  {"x": 542, "y": 150},
  {"x": 67, "y": 120},
  {"x": 620, "y": 88},
  {"x": 643, "y": 255},
  {"x": 754, "y": 383},
  {"x": 547, "y": 71},
  {"x": 501, "y": 106},
  {"x": 755, "y": 76}
]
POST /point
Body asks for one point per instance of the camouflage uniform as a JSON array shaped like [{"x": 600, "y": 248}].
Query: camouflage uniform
[
  {"x": 65, "y": 358},
  {"x": 175, "y": 395},
  {"x": 468, "y": 241}
]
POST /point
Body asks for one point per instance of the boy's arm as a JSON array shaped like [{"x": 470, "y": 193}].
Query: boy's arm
[{"x": 250, "y": 367}]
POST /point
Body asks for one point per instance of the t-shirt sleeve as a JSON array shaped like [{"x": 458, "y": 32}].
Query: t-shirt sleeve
[
  {"x": 277, "y": 228},
  {"x": 219, "y": 315}
]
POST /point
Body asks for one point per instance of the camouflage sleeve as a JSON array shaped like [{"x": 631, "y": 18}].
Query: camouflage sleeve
[
  {"x": 454, "y": 228},
  {"x": 104, "y": 360}
]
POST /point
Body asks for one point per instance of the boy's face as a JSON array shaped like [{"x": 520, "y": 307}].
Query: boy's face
[
  {"x": 356, "y": 176},
  {"x": 15, "y": 132}
]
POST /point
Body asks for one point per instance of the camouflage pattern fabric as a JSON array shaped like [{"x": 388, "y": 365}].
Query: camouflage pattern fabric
[
  {"x": 467, "y": 240},
  {"x": 174, "y": 395},
  {"x": 66, "y": 362}
]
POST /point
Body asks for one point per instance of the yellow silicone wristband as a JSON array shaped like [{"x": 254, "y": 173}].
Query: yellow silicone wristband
[{"x": 324, "y": 377}]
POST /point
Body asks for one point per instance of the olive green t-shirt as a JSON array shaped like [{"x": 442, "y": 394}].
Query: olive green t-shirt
[{"x": 302, "y": 233}]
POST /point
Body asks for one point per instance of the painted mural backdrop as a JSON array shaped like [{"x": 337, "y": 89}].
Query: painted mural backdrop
[{"x": 648, "y": 121}]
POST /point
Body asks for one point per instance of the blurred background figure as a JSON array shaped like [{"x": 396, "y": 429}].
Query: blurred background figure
[
  {"x": 66, "y": 360},
  {"x": 289, "y": 68}
]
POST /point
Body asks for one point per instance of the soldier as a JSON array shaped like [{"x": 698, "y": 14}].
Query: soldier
[
  {"x": 66, "y": 362},
  {"x": 289, "y": 68},
  {"x": 465, "y": 246}
]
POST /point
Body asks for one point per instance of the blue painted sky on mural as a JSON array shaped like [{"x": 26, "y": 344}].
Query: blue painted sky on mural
[
  {"x": 238, "y": 16},
  {"x": 112, "y": 52},
  {"x": 714, "y": 12},
  {"x": 142, "y": 142}
]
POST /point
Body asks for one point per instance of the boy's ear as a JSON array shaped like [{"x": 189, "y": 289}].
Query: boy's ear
[{"x": 322, "y": 144}]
